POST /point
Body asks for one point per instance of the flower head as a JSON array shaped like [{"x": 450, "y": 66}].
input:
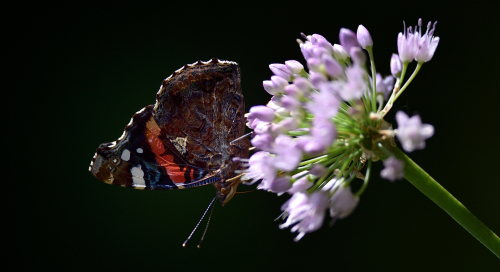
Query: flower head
[{"x": 324, "y": 127}]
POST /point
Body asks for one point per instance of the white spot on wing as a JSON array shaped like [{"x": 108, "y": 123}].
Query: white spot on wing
[
  {"x": 182, "y": 142},
  {"x": 125, "y": 155},
  {"x": 139, "y": 150},
  {"x": 138, "y": 177}
]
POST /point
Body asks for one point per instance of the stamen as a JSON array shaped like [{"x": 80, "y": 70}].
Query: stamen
[
  {"x": 296, "y": 239},
  {"x": 282, "y": 215}
]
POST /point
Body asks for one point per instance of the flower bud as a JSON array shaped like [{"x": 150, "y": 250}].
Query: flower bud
[
  {"x": 358, "y": 56},
  {"x": 281, "y": 70},
  {"x": 262, "y": 113},
  {"x": 293, "y": 91},
  {"x": 279, "y": 83},
  {"x": 332, "y": 67},
  {"x": 290, "y": 103},
  {"x": 340, "y": 53},
  {"x": 294, "y": 66},
  {"x": 364, "y": 38},
  {"x": 313, "y": 64},
  {"x": 318, "y": 170},
  {"x": 396, "y": 65},
  {"x": 303, "y": 84},
  {"x": 268, "y": 86},
  {"x": 280, "y": 184},
  {"x": 348, "y": 39},
  {"x": 317, "y": 78}
]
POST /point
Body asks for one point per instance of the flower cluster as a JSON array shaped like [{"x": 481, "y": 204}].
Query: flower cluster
[{"x": 323, "y": 125}]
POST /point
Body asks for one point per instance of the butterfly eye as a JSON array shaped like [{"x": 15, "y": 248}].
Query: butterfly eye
[
  {"x": 111, "y": 168},
  {"x": 116, "y": 161}
]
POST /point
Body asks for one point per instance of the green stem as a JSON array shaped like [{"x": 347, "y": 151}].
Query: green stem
[
  {"x": 433, "y": 190},
  {"x": 413, "y": 75},
  {"x": 365, "y": 181},
  {"x": 374, "y": 73}
]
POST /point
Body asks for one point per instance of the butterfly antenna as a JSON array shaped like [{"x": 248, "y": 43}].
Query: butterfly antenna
[
  {"x": 201, "y": 219},
  {"x": 239, "y": 138},
  {"x": 206, "y": 228}
]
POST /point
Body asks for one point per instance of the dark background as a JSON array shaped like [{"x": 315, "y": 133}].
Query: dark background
[{"x": 77, "y": 73}]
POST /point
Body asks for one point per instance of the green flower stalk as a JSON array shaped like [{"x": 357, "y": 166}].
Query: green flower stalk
[{"x": 324, "y": 127}]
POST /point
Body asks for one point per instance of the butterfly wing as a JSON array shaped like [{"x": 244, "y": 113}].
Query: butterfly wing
[
  {"x": 201, "y": 110},
  {"x": 184, "y": 140},
  {"x": 141, "y": 160}
]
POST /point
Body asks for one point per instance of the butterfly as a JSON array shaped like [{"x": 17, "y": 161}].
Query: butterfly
[{"x": 187, "y": 139}]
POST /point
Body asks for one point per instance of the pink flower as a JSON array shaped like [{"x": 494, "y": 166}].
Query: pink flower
[
  {"x": 278, "y": 185},
  {"x": 259, "y": 167},
  {"x": 343, "y": 202},
  {"x": 300, "y": 185},
  {"x": 411, "y": 132},
  {"x": 385, "y": 85},
  {"x": 407, "y": 45},
  {"x": 393, "y": 169},
  {"x": 427, "y": 44},
  {"x": 305, "y": 212}
]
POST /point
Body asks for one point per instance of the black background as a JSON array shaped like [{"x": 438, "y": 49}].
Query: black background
[{"x": 77, "y": 73}]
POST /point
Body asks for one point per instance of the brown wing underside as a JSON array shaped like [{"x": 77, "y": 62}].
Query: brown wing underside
[{"x": 200, "y": 110}]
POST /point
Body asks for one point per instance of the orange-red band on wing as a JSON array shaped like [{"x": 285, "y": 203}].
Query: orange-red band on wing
[{"x": 165, "y": 160}]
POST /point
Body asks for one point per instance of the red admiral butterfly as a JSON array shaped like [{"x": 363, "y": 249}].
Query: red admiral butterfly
[{"x": 187, "y": 139}]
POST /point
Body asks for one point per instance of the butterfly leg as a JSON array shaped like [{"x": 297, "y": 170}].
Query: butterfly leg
[{"x": 229, "y": 187}]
